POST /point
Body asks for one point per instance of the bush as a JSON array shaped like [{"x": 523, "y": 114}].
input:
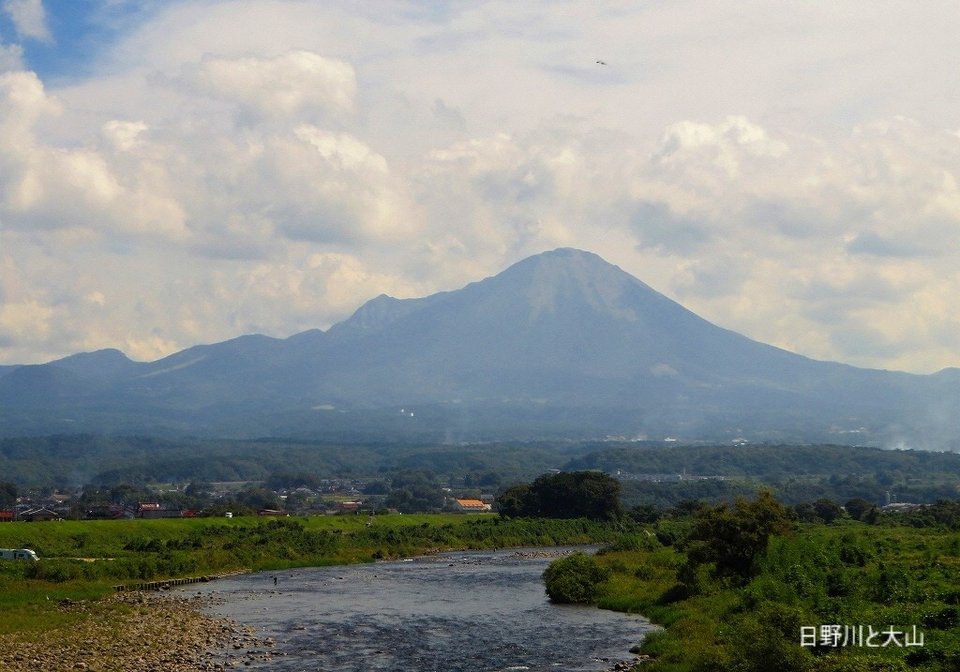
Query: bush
[{"x": 574, "y": 579}]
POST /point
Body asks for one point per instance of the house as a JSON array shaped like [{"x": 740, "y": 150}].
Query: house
[
  {"x": 349, "y": 507},
  {"x": 7, "y": 516},
  {"x": 40, "y": 514},
  {"x": 900, "y": 507},
  {"x": 108, "y": 512},
  {"x": 154, "y": 510},
  {"x": 470, "y": 506}
]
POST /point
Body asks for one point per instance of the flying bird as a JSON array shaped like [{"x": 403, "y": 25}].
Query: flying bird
[{"x": 601, "y": 62}]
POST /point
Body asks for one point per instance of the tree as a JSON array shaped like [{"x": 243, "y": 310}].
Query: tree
[
  {"x": 573, "y": 494},
  {"x": 646, "y": 513},
  {"x": 257, "y": 498},
  {"x": 8, "y": 494},
  {"x": 513, "y": 502},
  {"x": 805, "y": 513},
  {"x": 376, "y": 488},
  {"x": 734, "y": 538},
  {"x": 857, "y": 507},
  {"x": 415, "y": 498},
  {"x": 827, "y": 510},
  {"x": 577, "y": 494}
]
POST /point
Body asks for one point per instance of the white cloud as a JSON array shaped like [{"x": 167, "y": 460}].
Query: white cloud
[
  {"x": 266, "y": 165},
  {"x": 124, "y": 136},
  {"x": 11, "y": 57},
  {"x": 725, "y": 145},
  {"x": 296, "y": 84},
  {"x": 54, "y": 187},
  {"x": 342, "y": 150},
  {"x": 29, "y": 18}
]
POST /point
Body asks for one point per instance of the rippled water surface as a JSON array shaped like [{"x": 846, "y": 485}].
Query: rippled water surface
[{"x": 477, "y": 611}]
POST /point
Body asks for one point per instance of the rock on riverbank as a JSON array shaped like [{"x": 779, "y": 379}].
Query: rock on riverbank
[{"x": 135, "y": 632}]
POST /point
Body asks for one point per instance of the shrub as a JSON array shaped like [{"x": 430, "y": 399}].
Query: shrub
[{"x": 574, "y": 579}]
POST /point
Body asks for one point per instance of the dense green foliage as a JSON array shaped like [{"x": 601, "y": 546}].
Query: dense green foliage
[
  {"x": 942, "y": 514},
  {"x": 574, "y": 579},
  {"x": 734, "y": 538},
  {"x": 69, "y": 460},
  {"x": 8, "y": 494},
  {"x": 666, "y": 474},
  {"x": 575, "y": 494},
  {"x": 652, "y": 471},
  {"x": 768, "y": 462},
  {"x": 900, "y": 572}
]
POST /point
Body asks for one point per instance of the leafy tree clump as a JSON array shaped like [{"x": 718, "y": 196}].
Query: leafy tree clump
[
  {"x": 574, "y": 579},
  {"x": 735, "y": 537},
  {"x": 8, "y": 494},
  {"x": 574, "y": 494},
  {"x": 857, "y": 508},
  {"x": 827, "y": 510}
]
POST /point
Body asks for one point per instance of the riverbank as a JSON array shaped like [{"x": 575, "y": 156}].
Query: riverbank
[
  {"x": 146, "y": 632},
  {"x": 60, "y": 607}
]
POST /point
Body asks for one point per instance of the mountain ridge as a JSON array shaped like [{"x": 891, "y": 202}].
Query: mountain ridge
[{"x": 558, "y": 342}]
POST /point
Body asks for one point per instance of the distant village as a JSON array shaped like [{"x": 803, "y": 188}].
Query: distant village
[
  {"x": 229, "y": 499},
  {"x": 302, "y": 496}
]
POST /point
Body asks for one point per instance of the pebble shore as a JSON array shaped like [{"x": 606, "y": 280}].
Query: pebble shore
[{"x": 136, "y": 632}]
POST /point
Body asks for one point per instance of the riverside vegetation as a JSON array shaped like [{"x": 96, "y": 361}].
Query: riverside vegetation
[{"x": 736, "y": 585}]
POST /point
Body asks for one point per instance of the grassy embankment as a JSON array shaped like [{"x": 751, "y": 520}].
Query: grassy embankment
[
  {"x": 847, "y": 574},
  {"x": 83, "y": 560}
]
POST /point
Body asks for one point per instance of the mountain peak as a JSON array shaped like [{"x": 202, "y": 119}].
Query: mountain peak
[
  {"x": 565, "y": 256},
  {"x": 561, "y": 340},
  {"x": 574, "y": 280}
]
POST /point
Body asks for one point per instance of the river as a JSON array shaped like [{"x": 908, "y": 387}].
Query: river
[{"x": 451, "y": 612}]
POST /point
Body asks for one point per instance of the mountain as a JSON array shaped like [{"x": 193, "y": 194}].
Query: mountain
[{"x": 559, "y": 344}]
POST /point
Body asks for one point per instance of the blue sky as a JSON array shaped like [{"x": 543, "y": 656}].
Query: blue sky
[
  {"x": 173, "y": 173},
  {"x": 78, "y": 31}
]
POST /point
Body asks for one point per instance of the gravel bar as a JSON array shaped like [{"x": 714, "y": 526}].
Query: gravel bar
[{"x": 136, "y": 632}]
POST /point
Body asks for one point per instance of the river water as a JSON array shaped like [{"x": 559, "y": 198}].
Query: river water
[{"x": 451, "y": 612}]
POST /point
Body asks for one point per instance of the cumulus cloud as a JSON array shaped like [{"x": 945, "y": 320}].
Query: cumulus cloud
[
  {"x": 52, "y": 187},
  {"x": 268, "y": 166},
  {"x": 298, "y": 84},
  {"x": 724, "y": 146}
]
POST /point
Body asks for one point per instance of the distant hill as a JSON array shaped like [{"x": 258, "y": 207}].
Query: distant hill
[{"x": 562, "y": 344}]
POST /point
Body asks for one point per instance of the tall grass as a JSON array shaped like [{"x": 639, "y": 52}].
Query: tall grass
[{"x": 849, "y": 574}]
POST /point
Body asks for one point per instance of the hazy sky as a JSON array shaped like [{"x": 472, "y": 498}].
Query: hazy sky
[{"x": 175, "y": 172}]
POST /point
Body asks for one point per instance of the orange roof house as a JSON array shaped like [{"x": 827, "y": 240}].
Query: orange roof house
[{"x": 471, "y": 505}]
